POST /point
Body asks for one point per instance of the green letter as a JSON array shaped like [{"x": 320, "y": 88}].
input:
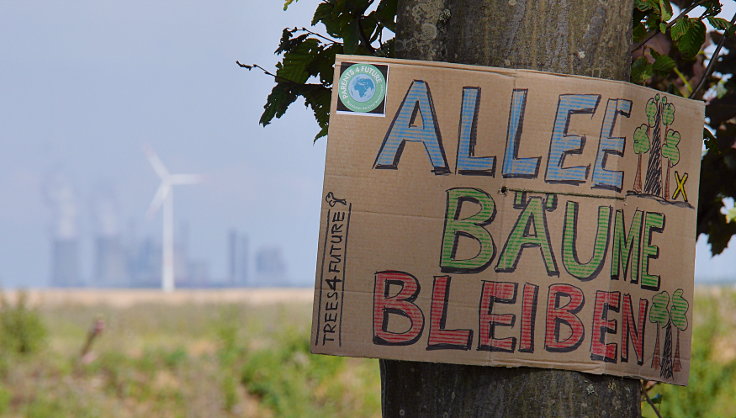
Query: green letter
[
  {"x": 589, "y": 270},
  {"x": 626, "y": 247},
  {"x": 530, "y": 230},
  {"x": 470, "y": 227},
  {"x": 653, "y": 221}
]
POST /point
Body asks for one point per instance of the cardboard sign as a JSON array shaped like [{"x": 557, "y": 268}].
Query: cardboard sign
[{"x": 507, "y": 218}]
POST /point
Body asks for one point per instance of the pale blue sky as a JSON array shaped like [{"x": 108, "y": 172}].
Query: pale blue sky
[{"x": 84, "y": 84}]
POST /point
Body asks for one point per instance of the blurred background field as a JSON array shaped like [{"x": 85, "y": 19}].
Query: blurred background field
[{"x": 246, "y": 353}]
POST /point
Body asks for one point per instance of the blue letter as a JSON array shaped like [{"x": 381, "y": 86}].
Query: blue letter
[
  {"x": 602, "y": 177},
  {"x": 466, "y": 162},
  {"x": 512, "y": 165},
  {"x": 561, "y": 144},
  {"x": 418, "y": 101}
]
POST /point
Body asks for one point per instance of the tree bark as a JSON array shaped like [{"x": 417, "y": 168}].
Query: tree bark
[{"x": 584, "y": 37}]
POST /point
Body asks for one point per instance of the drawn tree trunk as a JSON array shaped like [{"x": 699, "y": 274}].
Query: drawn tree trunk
[
  {"x": 653, "y": 181},
  {"x": 655, "y": 357},
  {"x": 666, "y": 195},
  {"x": 637, "y": 178},
  {"x": 677, "y": 364},
  {"x": 586, "y": 37},
  {"x": 666, "y": 371}
]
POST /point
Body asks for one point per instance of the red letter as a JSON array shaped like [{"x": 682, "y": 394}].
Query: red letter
[
  {"x": 557, "y": 315},
  {"x": 528, "y": 318},
  {"x": 629, "y": 329},
  {"x": 402, "y": 304},
  {"x": 502, "y": 293},
  {"x": 599, "y": 350},
  {"x": 439, "y": 337}
]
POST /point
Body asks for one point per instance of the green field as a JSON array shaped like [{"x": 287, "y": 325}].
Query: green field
[{"x": 228, "y": 359}]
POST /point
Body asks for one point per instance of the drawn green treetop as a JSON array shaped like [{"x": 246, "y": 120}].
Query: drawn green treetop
[
  {"x": 659, "y": 314},
  {"x": 665, "y": 316},
  {"x": 679, "y": 310}
]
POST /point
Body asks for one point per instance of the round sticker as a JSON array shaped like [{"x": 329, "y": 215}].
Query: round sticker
[{"x": 362, "y": 88}]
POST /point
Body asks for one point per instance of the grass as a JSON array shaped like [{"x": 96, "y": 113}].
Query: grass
[
  {"x": 220, "y": 360},
  {"x": 199, "y": 360}
]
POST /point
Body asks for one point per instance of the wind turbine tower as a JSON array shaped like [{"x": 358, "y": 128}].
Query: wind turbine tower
[{"x": 164, "y": 197}]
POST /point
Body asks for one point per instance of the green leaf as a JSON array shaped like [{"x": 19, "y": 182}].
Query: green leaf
[
  {"x": 386, "y": 14},
  {"x": 287, "y": 3},
  {"x": 323, "y": 13},
  {"x": 665, "y": 10},
  {"x": 318, "y": 98},
  {"x": 663, "y": 64},
  {"x": 645, "y": 5},
  {"x": 351, "y": 37},
  {"x": 296, "y": 61},
  {"x": 641, "y": 71},
  {"x": 719, "y": 23},
  {"x": 277, "y": 102},
  {"x": 680, "y": 27},
  {"x": 640, "y": 32},
  {"x": 692, "y": 40},
  {"x": 663, "y": 27}
]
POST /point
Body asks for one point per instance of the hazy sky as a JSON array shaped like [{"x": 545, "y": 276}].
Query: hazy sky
[{"x": 85, "y": 84}]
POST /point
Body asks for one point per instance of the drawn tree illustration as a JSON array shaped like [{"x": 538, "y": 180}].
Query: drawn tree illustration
[
  {"x": 679, "y": 318},
  {"x": 653, "y": 181},
  {"x": 670, "y": 149},
  {"x": 641, "y": 140},
  {"x": 660, "y": 316}
]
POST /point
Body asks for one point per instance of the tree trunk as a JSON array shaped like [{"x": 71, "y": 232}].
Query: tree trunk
[
  {"x": 585, "y": 37},
  {"x": 656, "y": 360},
  {"x": 666, "y": 195},
  {"x": 677, "y": 364},
  {"x": 653, "y": 181},
  {"x": 666, "y": 371},
  {"x": 637, "y": 179}
]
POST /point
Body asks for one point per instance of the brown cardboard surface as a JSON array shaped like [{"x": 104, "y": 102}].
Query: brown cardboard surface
[{"x": 507, "y": 218}]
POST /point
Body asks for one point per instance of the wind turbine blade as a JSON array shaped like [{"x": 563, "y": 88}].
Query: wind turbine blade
[
  {"x": 156, "y": 163},
  {"x": 158, "y": 199},
  {"x": 185, "y": 178}
]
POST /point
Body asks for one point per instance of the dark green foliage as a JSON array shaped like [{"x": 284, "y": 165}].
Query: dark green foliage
[
  {"x": 308, "y": 56},
  {"x": 719, "y": 162}
]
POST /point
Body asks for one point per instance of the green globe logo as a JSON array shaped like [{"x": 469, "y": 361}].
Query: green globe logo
[{"x": 362, "y": 88}]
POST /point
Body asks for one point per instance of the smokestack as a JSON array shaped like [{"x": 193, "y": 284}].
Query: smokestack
[{"x": 61, "y": 199}]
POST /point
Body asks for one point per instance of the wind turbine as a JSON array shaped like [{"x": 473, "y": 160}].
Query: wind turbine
[{"x": 165, "y": 197}]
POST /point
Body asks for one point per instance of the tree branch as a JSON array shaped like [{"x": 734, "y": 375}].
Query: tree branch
[
  {"x": 303, "y": 29},
  {"x": 252, "y": 66},
  {"x": 649, "y": 400},
  {"x": 711, "y": 63},
  {"x": 363, "y": 38}
]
